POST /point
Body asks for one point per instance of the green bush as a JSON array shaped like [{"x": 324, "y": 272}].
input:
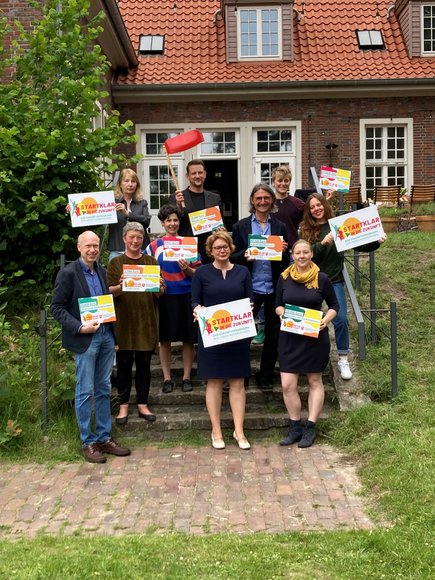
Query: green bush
[{"x": 47, "y": 146}]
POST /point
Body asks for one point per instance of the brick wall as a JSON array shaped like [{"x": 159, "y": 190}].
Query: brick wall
[
  {"x": 17, "y": 10},
  {"x": 323, "y": 122}
]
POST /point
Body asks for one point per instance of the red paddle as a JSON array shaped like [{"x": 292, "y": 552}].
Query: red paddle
[{"x": 180, "y": 143}]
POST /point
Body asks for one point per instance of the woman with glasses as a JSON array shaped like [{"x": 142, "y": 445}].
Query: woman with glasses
[{"x": 213, "y": 284}]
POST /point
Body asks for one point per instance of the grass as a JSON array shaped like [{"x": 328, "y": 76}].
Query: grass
[{"x": 391, "y": 442}]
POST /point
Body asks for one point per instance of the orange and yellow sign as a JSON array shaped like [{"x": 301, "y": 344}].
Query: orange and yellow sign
[
  {"x": 180, "y": 248},
  {"x": 300, "y": 320},
  {"x": 226, "y": 322},
  {"x": 140, "y": 278},
  {"x": 91, "y": 209},
  {"x": 356, "y": 228},
  {"x": 265, "y": 247},
  {"x": 97, "y": 309},
  {"x": 205, "y": 220}
]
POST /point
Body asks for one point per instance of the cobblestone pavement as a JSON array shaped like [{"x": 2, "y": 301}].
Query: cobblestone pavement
[{"x": 194, "y": 490}]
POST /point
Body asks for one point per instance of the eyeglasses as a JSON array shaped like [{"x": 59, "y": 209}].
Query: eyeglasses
[
  {"x": 220, "y": 248},
  {"x": 265, "y": 198}
]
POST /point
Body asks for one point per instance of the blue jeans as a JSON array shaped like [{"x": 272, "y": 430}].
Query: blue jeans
[
  {"x": 340, "y": 322},
  {"x": 93, "y": 372}
]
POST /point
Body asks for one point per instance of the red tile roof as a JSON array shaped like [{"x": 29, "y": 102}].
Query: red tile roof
[{"x": 325, "y": 45}]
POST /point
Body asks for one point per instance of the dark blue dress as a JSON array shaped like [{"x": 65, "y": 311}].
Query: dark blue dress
[
  {"x": 209, "y": 287},
  {"x": 297, "y": 353}
]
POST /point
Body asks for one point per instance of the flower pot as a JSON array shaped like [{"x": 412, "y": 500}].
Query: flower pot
[
  {"x": 389, "y": 223},
  {"x": 426, "y": 223}
]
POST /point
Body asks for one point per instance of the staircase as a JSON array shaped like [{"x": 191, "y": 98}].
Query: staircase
[{"x": 178, "y": 411}]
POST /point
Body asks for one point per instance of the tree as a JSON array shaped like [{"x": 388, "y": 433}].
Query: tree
[{"x": 55, "y": 78}]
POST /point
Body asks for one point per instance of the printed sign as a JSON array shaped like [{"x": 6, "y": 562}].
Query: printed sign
[
  {"x": 140, "y": 278},
  {"x": 299, "y": 320},
  {"x": 265, "y": 247},
  {"x": 356, "y": 228},
  {"x": 92, "y": 209},
  {"x": 97, "y": 309},
  {"x": 226, "y": 322},
  {"x": 338, "y": 179},
  {"x": 205, "y": 220},
  {"x": 180, "y": 248}
]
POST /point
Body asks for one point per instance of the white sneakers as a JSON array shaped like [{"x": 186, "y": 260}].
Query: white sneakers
[{"x": 344, "y": 368}]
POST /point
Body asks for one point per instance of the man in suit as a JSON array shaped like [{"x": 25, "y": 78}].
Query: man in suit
[
  {"x": 195, "y": 198},
  {"x": 265, "y": 273},
  {"x": 93, "y": 344}
]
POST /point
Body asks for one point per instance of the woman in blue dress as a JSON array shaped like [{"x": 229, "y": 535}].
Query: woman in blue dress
[{"x": 217, "y": 283}]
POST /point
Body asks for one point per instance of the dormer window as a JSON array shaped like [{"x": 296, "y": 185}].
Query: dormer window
[
  {"x": 259, "y": 33},
  {"x": 258, "y": 30},
  {"x": 370, "y": 39},
  {"x": 151, "y": 44},
  {"x": 428, "y": 28}
]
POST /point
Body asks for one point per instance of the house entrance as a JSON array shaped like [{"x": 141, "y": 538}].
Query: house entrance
[{"x": 222, "y": 178}]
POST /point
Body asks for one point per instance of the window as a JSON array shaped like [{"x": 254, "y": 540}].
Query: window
[
  {"x": 370, "y": 39},
  {"x": 154, "y": 142},
  {"x": 428, "y": 28},
  {"x": 386, "y": 151},
  {"x": 151, "y": 44},
  {"x": 259, "y": 33},
  {"x": 160, "y": 183},
  {"x": 274, "y": 141},
  {"x": 219, "y": 143},
  {"x": 157, "y": 177},
  {"x": 273, "y": 147}
]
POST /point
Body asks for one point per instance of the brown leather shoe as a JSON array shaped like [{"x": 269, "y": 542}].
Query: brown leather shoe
[
  {"x": 112, "y": 447},
  {"x": 93, "y": 454}
]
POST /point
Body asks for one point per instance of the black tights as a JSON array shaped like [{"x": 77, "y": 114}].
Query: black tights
[{"x": 124, "y": 361}]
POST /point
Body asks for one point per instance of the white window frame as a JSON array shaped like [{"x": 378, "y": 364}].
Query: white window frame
[
  {"x": 423, "y": 6},
  {"x": 259, "y": 55},
  {"x": 279, "y": 158},
  {"x": 409, "y": 150},
  {"x": 227, "y": 129},
  {"x": 177, "y": 165}
]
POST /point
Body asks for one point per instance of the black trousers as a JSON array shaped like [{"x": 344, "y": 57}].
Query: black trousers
[
  {"x": 271, "y": 334},
  {"x": 124, "y": 363}
]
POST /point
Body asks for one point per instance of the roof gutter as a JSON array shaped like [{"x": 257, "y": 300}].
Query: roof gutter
[{"x": 274, "y": 90}]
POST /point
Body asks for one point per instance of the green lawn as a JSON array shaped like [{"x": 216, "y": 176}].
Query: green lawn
[{"x": 392, "y": 443}]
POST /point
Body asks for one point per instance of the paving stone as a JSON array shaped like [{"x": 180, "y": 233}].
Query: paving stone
[{"x": 196, "y": 491}]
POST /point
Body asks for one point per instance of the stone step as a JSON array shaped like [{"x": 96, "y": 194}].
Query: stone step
[
  {"x": 177, "y": 411},
  {"x": 254, "y": 396},
  {"x": 172, "y": 423}
]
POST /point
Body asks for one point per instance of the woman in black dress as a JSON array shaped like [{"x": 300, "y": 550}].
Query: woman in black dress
[
  {"x": 302, "y": 284},
  {"x": 216, "y": 283}
]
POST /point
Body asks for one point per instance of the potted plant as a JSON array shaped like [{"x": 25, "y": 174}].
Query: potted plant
[
  {"x": 423, "y": 213},
  {"x": 425, "y": 216},
  {"x": 390, "y": 217}
]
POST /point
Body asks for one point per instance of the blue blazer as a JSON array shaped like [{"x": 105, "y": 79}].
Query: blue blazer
[
  {"x": 71, "y": 285},
  {"x": 242, "y": 229}
]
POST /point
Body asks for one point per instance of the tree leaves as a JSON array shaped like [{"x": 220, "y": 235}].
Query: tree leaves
[{"x": 48, "y": 147}]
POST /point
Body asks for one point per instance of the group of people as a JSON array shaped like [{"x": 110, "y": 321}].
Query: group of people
[{"x": 308, "y": 274}]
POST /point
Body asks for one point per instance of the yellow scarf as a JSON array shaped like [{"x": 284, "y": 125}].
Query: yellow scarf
[{"x": 310, "y": 278}]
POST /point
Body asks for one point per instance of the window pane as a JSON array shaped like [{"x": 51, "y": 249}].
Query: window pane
[
  {"x": 274, "y": 141},
  {"x": 160, "y": 184},
  {"x": 388, "y": 148}
]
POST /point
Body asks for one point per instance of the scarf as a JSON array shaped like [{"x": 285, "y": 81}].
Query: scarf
[{"x": 310, "y": 278}]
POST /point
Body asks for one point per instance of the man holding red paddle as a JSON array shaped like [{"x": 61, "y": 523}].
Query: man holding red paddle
[{"x": 194, "y": 197}]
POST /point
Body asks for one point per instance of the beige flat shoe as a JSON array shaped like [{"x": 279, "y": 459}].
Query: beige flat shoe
[
  {"x": 243, "y": 443},
  {"x": 217, "y": 443}
]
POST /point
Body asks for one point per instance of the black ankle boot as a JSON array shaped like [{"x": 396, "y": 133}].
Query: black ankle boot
[
  {"x": 294, "y": 434},
  {"x": 309, "y": 435}
]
